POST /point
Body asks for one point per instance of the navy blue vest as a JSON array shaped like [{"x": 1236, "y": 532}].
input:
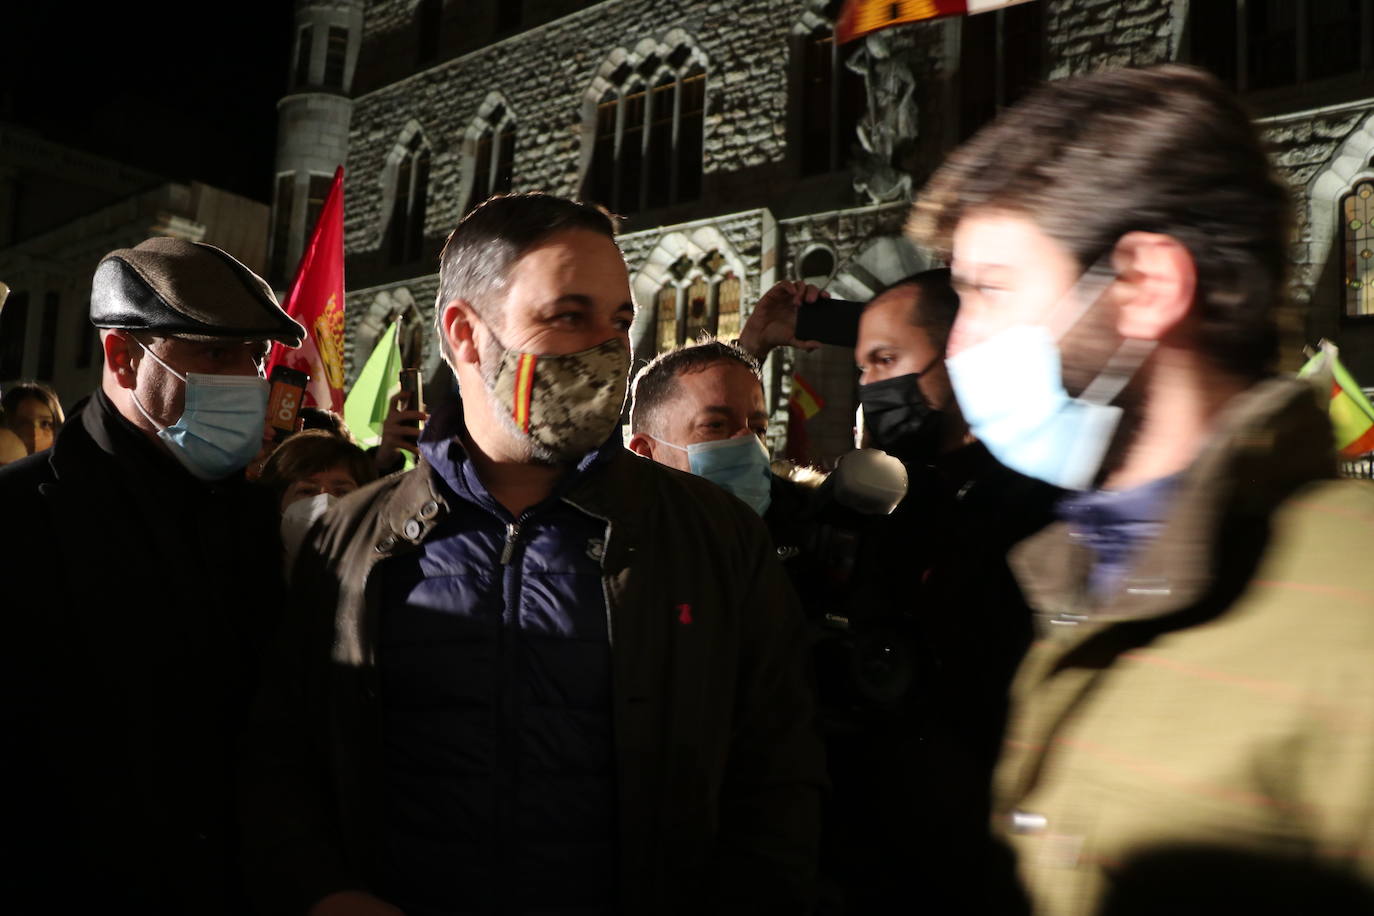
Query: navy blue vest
[{"x": 495, "y": 663}]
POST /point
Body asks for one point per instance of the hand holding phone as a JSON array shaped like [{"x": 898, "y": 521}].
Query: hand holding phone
[
  {"x": 401, "y": 430},
  {"x": 410, "y": 395},
  {"x": 830, "y": 321},
  {"x": 773, "y": 322}
]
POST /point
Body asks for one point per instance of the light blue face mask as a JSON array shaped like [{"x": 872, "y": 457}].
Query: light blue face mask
[
  {"x": 220, "y": 429},
  {"x": 739, "y": 465},
  {"x": 1011, "y": 392}
]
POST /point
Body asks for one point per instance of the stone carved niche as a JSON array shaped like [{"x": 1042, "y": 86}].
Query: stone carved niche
[
  {"x": 888, "y": 129},
  {"x": 414, "y": 334}
]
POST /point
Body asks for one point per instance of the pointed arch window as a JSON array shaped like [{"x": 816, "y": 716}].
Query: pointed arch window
[
  {"x": 1256, "y": 45},
  {"x": 698, "y": 312},
  {"x": 831, "y": 101},
  {"x": 304, "y": 36},
  {"x": 335, "y": 57},
  {"x": 647, "y": 140},
  {"x": 701, "y": 297},
  {"x": 666, "y": 318},
  {"x": 727, "y": 307},
  {"x": 493, "y": 158},
  {"x": 407, "y": 227},
  {"x": 1001, "y": 58},
  {"x": 281, "y": 226},
  {"x": 1357, "y": 212}
]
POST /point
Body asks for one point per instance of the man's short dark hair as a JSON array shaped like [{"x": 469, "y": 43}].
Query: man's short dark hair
[
  {"x": 476, "y": 260},
  {"x": 1165, "y": 149},
  {"x": 656, "y": 384},
  {"x": 935, "y": 307}
]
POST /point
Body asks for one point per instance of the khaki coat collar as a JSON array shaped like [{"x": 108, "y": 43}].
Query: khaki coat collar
[{"x": 1268, "y": 441}]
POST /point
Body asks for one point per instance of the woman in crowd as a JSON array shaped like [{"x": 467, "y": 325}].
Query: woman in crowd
[
  {"x": 33, "y": 413},
  {"x": 307, "y": 473}
]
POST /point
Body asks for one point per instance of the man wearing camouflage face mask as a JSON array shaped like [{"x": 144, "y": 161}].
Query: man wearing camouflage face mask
[{"x": 535, "y": 674}]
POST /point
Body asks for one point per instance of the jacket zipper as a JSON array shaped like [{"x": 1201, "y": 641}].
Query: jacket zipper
[
  {"x": 507, "y": 648},
  {"x": 512, "y": 538}
]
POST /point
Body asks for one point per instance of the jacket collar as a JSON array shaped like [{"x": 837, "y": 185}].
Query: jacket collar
[
  {"x": 1268, "y": 442},
  {"x": 444, "y": 474},
  {"x": 151, "y": 472}
]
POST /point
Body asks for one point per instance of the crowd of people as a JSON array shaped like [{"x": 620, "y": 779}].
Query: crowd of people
[{"x": 1081, "y": 626}]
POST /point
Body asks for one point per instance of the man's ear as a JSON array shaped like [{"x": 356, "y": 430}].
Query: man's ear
[
  {"x": 119, "y": 357},
  {"x": 457, "y": 323},
  {"x": 1156, "y": 285},
  {"x": 641, "y": 445}
]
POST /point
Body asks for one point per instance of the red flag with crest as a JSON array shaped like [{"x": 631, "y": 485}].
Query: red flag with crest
[{"x": 316, "y": 300}]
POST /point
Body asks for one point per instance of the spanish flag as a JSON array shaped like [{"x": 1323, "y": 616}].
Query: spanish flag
[
  {"x": 808, "y": 401},
  {"x": 860, "y": 17},
  {"x": 1352, "y": 416}
]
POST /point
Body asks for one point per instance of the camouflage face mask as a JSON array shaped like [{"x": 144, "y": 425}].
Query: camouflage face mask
[{"x": 567, "y": 405}]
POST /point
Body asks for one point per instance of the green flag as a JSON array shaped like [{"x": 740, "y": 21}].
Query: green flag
[{"x": 369, "y": 400}]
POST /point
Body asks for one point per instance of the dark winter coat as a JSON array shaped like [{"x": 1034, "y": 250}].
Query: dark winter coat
[
  {"x": 718, "y": 766},
  {"x": 128, "y": 664}
]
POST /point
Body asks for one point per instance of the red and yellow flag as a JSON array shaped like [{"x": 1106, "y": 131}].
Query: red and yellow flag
[
  {"x": 860, "y": 17},
  {"x": 316, "y": 300},
  {"x": 1352, "y": 416},
  {"x": 807, "y": 399}
]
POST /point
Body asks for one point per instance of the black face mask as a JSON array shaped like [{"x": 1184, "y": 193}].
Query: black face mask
[{"x": 899, "y": 420}]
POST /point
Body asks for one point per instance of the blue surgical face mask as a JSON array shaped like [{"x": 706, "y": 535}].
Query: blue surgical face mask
[
  {"x": 221, "y": 425},
  {"x": 739, "y": 465},
  {"x": 1011, "y": 392}
]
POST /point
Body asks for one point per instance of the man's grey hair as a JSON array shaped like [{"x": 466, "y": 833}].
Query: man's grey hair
[{"x": 475, "y": 263}]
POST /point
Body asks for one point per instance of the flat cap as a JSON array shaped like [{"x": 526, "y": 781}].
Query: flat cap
[{"x": 187, "y": 289}]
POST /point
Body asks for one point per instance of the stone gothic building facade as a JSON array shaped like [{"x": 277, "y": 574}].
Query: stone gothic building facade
[{"x": 744, "y": 147}]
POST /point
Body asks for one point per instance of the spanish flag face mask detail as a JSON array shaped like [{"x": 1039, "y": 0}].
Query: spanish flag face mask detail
[{"x": 566, "y": 405}]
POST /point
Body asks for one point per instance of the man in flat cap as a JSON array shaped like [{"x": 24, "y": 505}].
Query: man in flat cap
[{"x": 156, "y": 568}]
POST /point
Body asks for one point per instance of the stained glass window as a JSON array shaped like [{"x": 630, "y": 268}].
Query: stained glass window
[
  {"x": 667, "y": 318},
  {"x": 698, "y": 309},
  {"x": 1357, "y": 210},
  {"x": 727, "y": 308}
]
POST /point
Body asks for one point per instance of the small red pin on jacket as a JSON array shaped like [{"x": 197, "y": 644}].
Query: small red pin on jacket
[{"x": 684, "y": 614}]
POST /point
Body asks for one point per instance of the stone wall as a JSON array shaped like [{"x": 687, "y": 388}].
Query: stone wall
[
  {"x": 1083, "y": 36},
  {"x": 544, "y": 74},
  {"x": 1302, "y": 149},
  {"x": 550, "y": 75}
]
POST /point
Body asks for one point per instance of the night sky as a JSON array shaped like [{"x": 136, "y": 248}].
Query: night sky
[{"x": 188, "y": 91}]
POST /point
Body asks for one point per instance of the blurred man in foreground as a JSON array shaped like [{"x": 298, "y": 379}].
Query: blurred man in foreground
[
  {"x": 534, "y": 674},
  {"x": 1195, "y": 730},
  {"x": 128, "y": 676}
]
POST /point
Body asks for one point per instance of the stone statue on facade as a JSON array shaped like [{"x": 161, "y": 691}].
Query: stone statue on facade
[{"x": 890, "y": 123}]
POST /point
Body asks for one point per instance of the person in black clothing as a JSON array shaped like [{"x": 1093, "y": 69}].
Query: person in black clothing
[
  {"x": 124, "y": 689},
  {"x": 915, "y": 687}
]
